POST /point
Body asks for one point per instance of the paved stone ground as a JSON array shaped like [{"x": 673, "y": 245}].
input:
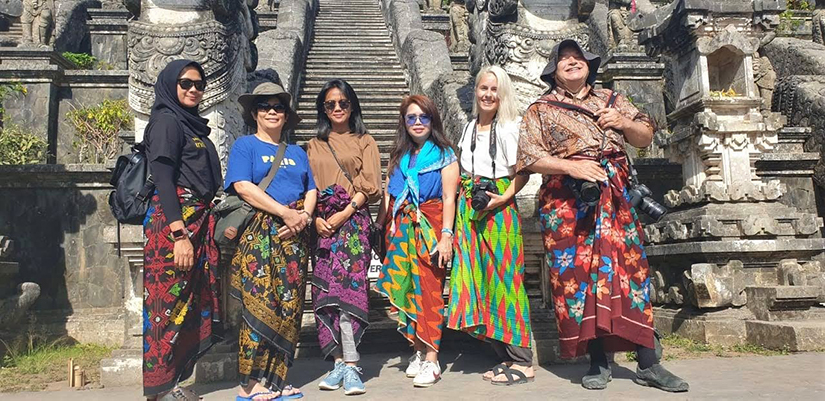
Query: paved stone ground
[{"x": 792, "y": 377}]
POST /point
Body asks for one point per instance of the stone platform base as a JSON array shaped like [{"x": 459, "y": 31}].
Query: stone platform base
[
  {"x": 739, "y": 326},
  {"x": 102, "y": 326}
]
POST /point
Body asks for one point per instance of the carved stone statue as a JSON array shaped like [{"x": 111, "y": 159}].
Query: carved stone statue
[
  {"x": 38, "y": 22},
  {"x": 765, "y": 78},
  {"x": 217, "y": 34},
  {"x": 431, "y": 5},
  {"x": 818, "y": 23},
  {"x": 620, "y": 36},
  {"x": 459, "y": 28}
]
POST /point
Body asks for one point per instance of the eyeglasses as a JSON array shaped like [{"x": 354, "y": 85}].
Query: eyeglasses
[
  {"x": 187, "y": 84},
  {"x": 266, "y": 107},
  {"x": 329, "y": 105},
  {"x": 425, "y": 119}
]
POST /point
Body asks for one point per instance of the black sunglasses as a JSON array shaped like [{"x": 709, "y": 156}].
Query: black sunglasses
[
  {"x": 187, "y": 84},
  {"x": 425, "y": 119},
  {"x": 329, "y": 105},
  {"x": 266, "y": 107}
]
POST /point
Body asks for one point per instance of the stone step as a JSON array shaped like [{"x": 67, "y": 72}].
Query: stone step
[
  {"x": 354, "y": 59},
  {"x": 359, "y": 64},
  {"x": 373, "y": 112},
  {"x": 368, "y": 74},
  {"x": 353, "y": 47},
  {"x": 377, "y": 86}
]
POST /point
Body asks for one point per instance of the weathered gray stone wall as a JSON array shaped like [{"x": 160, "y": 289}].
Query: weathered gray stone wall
[
  {"x": 425, "y": 57},
  {"x": 791, "y": 56},
  {"x": 71, "y": 33},
  {"x": 64, "y": 233}
]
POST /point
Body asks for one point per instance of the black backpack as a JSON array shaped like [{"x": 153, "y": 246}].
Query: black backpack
[{"x": 133, "y": 186}]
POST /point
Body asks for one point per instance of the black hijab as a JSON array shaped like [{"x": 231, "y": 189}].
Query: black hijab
[{"x": 166, "y": 98}]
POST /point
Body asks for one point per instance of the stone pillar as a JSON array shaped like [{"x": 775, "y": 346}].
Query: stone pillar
[
  {"x": 731, "y": 232},
  {"x": 108, "y": 28}
]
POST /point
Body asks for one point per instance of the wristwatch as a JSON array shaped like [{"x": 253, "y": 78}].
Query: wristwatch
[
  {"x": 309, "y": 217},
  {"x": 354, "y": 205},
  {"x": 178, "y": 235}
]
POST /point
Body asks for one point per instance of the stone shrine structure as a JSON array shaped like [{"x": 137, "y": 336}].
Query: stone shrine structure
[
  {"x": 730, "y": 239},
  {"x": 216, "y": 34},
  {"x": 15, "y": 299}
]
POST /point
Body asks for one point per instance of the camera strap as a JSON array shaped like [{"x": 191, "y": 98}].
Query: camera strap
[{"x": 493, "y": 146}]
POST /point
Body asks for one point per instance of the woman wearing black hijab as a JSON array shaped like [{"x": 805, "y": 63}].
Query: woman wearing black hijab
[{"x": 180, "y": 307}]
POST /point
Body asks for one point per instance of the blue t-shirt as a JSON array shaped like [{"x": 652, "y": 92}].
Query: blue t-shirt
[
  {"x": 250, "y": 160},
  {"x": 429, "y": 182}
]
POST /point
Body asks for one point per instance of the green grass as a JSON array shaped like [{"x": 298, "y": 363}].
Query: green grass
[
  {"x": 677, "y": 347},
  {"x": 28, "y": 366}
]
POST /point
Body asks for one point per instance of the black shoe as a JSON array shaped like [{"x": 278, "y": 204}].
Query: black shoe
[
  {"x": 659, "y": 377},
  {"x": 597, "y": 378}
]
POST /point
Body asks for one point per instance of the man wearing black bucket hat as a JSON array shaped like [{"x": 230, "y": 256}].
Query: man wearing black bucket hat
[{"x": 575, "y": 136}]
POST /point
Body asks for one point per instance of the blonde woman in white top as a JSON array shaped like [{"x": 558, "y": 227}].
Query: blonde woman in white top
[{"x": 488, "y": 299}]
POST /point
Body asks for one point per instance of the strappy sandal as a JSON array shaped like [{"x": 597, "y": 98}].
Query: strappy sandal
[
  {"x": 258, "y": 394},
  {"x": 514, "y": 376},
  {"x": 180, "y": 394},
  {"x": 287, "y": 389},
  {"x": 497, "y": 370}
]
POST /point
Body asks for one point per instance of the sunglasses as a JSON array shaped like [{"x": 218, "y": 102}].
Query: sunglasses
[
  {"x": 425, "y": 119},
  {"x": 187, "y": 84},
  {"x": 266, "y": 107},
  {"x": 329, "y": 105}
]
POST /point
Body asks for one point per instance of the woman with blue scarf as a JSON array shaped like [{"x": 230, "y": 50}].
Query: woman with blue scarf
[{"x": 418, "y": 212}]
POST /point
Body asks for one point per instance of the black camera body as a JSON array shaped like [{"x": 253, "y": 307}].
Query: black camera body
[
  {"x": 640, "y": 199},
  {"x": 480, "y": 199},
  {"x": 585, "y": 191}
]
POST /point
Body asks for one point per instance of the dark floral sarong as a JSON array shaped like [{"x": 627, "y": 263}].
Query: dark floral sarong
[
  {"x": 339, "y": 275},
  {"x": 268, "y": 278},
  {"x": 598, "y": 266},
  {"x": 180, "y": 308}
]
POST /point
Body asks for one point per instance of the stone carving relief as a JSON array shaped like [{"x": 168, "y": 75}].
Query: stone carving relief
[
  {"x": 765, "y": 78},
  {"x": 37, "y": 20},
  {"x": 619, "y": 34},
  {"x": 818, "y": 22},
  {"x": 217, "y": 34},
  {"x": 459, "y": 28},
  {"x": 431, "y": 5},
  {"x": 515, "y": 45}
]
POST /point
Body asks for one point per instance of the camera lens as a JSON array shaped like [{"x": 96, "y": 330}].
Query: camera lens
[
  {"x": 590, "y": 192},
  {"x": 652, "y": 208}
]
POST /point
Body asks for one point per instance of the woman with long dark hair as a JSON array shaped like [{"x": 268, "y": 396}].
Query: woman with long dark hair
[
  {"x": 271, "y": 260},
  {"x": 418, "y": 212},
  {"x": 180, "y": 304},
  {"x": 346, "y": 165}
]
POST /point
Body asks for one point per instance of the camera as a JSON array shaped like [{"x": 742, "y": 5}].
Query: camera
[
  {"x": 480, "y": 199},
  {"x": 640, "y": 199},
  {"x": 585, "y": 191}
]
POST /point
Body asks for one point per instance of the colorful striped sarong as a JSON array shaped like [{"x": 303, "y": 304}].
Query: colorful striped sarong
[
  {"x": 268, "y": 278},
  {"x": 410, "y": 277},
  {"x": 598, "y": 266},
  {"x": 487, "y": 294}
]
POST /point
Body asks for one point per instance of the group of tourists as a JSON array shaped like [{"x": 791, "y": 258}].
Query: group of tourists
[{"x": 441, "y": 204}]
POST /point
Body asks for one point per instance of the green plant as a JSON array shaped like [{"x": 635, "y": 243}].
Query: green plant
[
  {"x": 6, "y": 91},
  {"x": 800, "y": 5},
  {"x": 82, "y": 61},
  {"x": 97, "y": 129},
  {"x": 19, "y": 145}
]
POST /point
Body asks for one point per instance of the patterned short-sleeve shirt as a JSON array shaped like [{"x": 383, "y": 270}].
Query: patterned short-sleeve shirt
[{"x": 548, "y": 130}]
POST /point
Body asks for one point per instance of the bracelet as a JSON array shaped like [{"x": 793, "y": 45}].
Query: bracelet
[{"x": 447, "y": 231}]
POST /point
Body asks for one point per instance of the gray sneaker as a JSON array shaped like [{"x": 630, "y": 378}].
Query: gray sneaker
[
  {"x": 352, "y": 381},
  {"x": 334, "y": 378},
  {"x": 597, "y": 381},
  {"x": 659, "y": 377}
]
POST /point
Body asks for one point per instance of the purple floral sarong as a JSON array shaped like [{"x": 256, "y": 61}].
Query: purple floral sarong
[{"x": 339, "y": 281}]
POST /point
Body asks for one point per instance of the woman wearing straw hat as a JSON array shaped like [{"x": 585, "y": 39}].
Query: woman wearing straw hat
[{"x": 271, "y": 260}]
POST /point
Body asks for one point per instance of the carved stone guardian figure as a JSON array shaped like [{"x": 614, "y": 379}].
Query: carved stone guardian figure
[
  {"x": 818, "y": 23},
  {"x": 38, "y": 22},
  {"x": 620, "y": 36},
  {"x": 431, "y": 5},
  {"x": 765, "y": 78},
  {"x": 459, "y": 28}
]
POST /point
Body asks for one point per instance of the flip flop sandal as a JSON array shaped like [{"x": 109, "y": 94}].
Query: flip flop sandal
[
  {"x": 497, "y": 370},
  {"x": 520, "y": 378},
  {"x": 258, "y": 394},
  {"x": 290, "y": 396},
  {"x": 180, "y": 394}
]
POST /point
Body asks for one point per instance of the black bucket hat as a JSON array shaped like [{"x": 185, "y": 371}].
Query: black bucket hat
[
  {"x": 594, "y": 61},
  {"x": 266, "y": 90}
]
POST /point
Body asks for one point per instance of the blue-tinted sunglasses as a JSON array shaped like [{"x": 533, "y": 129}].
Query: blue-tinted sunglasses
[{"x": 425, "y": 119}]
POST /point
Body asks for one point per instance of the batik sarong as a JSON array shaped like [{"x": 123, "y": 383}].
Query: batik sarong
[
  {"x": 410, "y": 277},
  {"x": 598, "y": 267},
  {"x": 180, "y": 308},
  {"x": 339, "y": 275},
  {"x": 487, "y": 294},
  {"x": 268, "y": 278}
]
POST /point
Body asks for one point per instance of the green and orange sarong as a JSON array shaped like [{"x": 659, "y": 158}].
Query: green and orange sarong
[
  {"x": 487, "y": 294},
  {"x": 410, "y": 277}
]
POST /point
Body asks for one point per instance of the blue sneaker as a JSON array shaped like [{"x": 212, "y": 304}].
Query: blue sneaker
[
  {"x": 352, "y": 381},
  {"x": 334, "y": 378}
]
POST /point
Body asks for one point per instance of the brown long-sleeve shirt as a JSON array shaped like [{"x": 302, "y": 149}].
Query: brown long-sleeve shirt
[{"x": 358, "y": 154}]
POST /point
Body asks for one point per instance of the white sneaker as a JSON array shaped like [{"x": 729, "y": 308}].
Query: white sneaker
[
  {"x": 429, "y": 374},
  {"x": 415, "y": 364}
]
